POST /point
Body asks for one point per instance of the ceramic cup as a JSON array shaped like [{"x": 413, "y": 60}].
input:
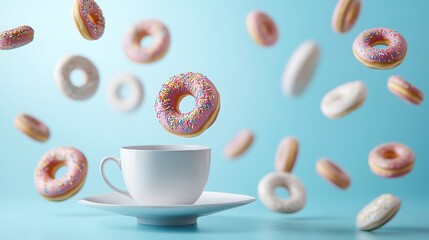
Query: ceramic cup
[{"x": 162, "y": 174}]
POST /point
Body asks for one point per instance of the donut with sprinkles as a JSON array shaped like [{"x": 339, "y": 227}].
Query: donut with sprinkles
[
  {"x": 61, "y": 188},
  {"x": 385, "y": 58},
  {"x": 88, "y": 19},
  {"x": 197, "y": 120}
]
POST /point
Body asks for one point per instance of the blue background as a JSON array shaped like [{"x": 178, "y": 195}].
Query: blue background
[{"x": 211, "y": 37}]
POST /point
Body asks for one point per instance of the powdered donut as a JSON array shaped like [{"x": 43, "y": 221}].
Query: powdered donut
[
  {"x": 300, "y": 68},
  {"x": 62, "y": 75},
  {"x": 268, "y": 185},
  {"x": 343, "y": 99},
  {"x": 135, "y": 88},
  {"x": 378, "y": 212}
]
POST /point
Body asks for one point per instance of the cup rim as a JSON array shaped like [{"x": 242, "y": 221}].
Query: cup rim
[{"x": 165, "y": 148}]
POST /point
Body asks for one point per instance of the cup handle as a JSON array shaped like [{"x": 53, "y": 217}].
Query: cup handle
[{"x": 118, "y": 162}]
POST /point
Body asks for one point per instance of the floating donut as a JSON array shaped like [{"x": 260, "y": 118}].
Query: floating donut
[
  {"x": 287, "y": 152},
  {"x": 59, "y": 189},
  {"x": 403, "y": 89},
  {"x": 268, "y": 185},
  {"x": 32, "y": 127},
  {"x": 135, "y": 97},
  {"x": 239, "y": 144},
  {"x": 391, "y": 160},
  {"x": 343, "y": 99},
  {"x": 16, "y": 37},
  {"x": 88, "y": 19},
  {"x": 160, "y": 44},
  {"x": 385, "y": 58},
  {"x": 345, "y": 15},
  {"x": 378, "y": 212},
  {"x": 261, "y": 28},
  {"x": 62, "y": 76},
  {"x": 300, "y": 68},
  {"x": 201, "y": 117},
  {"x": 333, "y": 173}
]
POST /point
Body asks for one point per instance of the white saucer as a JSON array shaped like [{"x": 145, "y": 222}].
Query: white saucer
[{"x": 167, "y": 215}]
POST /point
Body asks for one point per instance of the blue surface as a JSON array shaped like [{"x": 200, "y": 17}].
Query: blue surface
[{"x": 210, "y": 37}]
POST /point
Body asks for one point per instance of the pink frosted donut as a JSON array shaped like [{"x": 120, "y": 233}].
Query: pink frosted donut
[
  {"x": 239, "y": 144},
  {"x": 391, "y": 160},
  {"x": 58, "y": 189},
  {"x": 403, "y": 89},
  {"x": 261, "y": 28},
  {"x": 201, "y": 117},
  {"x": 385, "y": 58},
  {"x": 345, "y": 15},
  {"x": 158, "y": 48},
  {"x": 16, "y": 37},
  {"x": 88, "y": 19}
]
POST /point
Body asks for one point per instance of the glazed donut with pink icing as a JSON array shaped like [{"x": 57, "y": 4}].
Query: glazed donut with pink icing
[
  {"x": 16, "y": 37},
  {"x": 59, "y": 189},
  {"x": 261, "y": 28},
  {"x": 88, "y": 19},
  {"x": 197, "y": 120},
  {"x": 239, "y": 144},
  {"x": 391, "y": 160},
  {"x": 345, "y": 15},
  {"x": 161, "y": 41},
  {"x": 405, "y": 90},
  {"x": 385, "y": 58}
]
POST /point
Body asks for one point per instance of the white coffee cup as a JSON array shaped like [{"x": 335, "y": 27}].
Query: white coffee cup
[{"x": 162, "y": 174}]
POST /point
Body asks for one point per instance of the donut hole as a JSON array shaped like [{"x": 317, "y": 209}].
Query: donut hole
[
  {"x": 282, "y": 192},
  {"x": 267, "y": 28},
  {"x": 93, "y": 18},
  {"x": 186, "y": 104},
  {"x": 146, "y": 41},
  {"x": 390, "y": 154},
  {"x": 60, "y": 171},
  {"x": 78, "y": 78},
  {"x": 382, "y": 44},
  {"x": 124, "y": 92}
]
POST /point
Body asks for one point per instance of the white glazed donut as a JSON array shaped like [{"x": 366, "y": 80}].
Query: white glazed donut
[
  {"x": 343, "y": 99},
  {"x": 300, "y": 68},
  {"x": 267, "y": 194},
  {"x": 135, "y": 97},
  {"x": 62, "y": 75}
]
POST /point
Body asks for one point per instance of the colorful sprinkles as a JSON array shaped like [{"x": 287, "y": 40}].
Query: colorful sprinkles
[
  {"x": 378, "y": 212},
  {"x": 168, "y": 100},
  {"x": 44, "y": 177},
  {"x": 395, "y": 50},
  {"x": 16, "y": 37},
  {"x": 93, "y": 18}
]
